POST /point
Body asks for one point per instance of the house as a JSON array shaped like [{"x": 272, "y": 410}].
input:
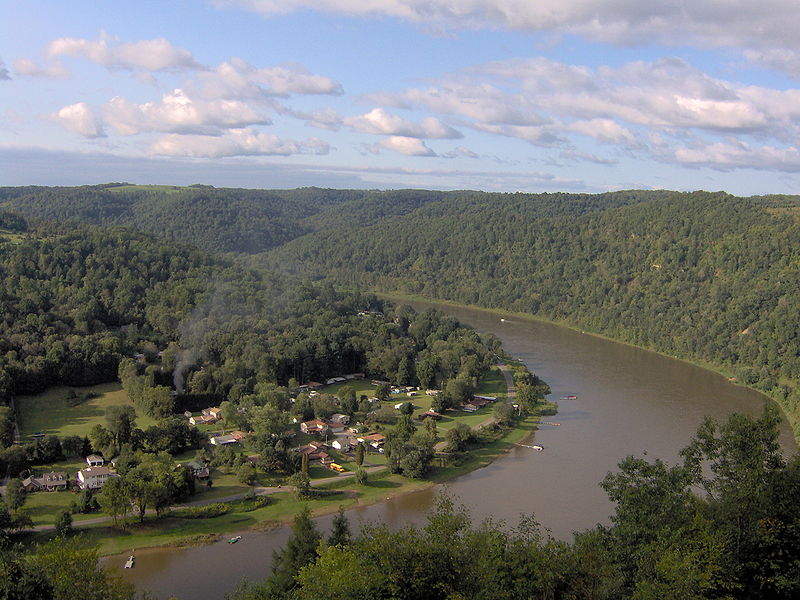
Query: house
[
  {"x": 199, "y": 469},
  {"x": 430, "y": 414},
  {"x": 202, "y": 420},
  {"x": 336, "y": 428},
  {"x": 314, "y": 426},
  {"x": 487, "y": 398},
  {"x": 224, "y": 440},
  {"x": 94, "y": 478},
  {"x": 49, "y": 482},
  {"x": 345, "y": 444},
  {"x": 432, "y": 392},
  {"x": 339, "y": 418},
  {"x": 377, "y": 382},
  {"x": 93, "y": 460},
  {"x": 214, "y": 412},
  {"x": 469, "y": 407},
  {"x": 375, "y": 440},
  {"x": 315, "y": 451},
  {"x": 239, "y": 435}
]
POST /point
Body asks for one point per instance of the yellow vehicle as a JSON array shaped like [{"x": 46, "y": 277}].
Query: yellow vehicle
[{"x": 337, "y": 468}]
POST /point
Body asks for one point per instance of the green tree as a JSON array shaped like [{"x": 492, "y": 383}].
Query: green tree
[
  {"x": 120, "y": 421},
  {"x": 115, "y": 501},
  {"x": 360, "y": 454},
  {"x": 14, "y": 495},
  {"x": 63, "y": 523},
  {"x": 361, "y": 476},
  {"x": 301, "y": 483},
  {"x": 304, "y": 463},
  {"x": 299, "y": 551},
  {"x": 340, "y": 530}
]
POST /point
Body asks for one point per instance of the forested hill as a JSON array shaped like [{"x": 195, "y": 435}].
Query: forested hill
[
  {"x": 221, "y": 220},
  {"x": 214, "y": 219},
  {"x": 700, "y": 275}
]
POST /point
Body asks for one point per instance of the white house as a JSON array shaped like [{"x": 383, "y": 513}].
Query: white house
[
  {"x": 94, "y": 478},
  {"x": 93, "y": 460}
]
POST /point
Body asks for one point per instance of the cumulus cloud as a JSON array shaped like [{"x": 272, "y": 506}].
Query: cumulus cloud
[
  {"x": 604, "y": 130},
  {"x": 744, "y": 23},
  {"x": 28, "y": 68},
  {"x": 237, "y": 78},
  {"x": 236, "y": 142},
  {"x": 79, "y": 118},
  {"x": 149, "y": 55},
  {"x": 726, "y": 156},
  {"x": 406, "y": 145},
  {"x": 179, "y": 113},
  {"x": 379, "y": 122}
]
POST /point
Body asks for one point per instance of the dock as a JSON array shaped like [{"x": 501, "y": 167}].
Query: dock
[
  {"x": 549, "y": 423},
  {"x": 129, "y": 562}
]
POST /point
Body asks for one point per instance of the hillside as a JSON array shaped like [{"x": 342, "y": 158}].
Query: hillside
[
  {"x": 218, "y": 220},
  {"x": 705, "y": 276}
]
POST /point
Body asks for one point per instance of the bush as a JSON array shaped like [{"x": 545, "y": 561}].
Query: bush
[{"x": 209, "y": 511}]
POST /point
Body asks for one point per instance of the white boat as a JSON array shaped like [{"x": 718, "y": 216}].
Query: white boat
[
  {"x": 129, "y": 562},
  {"x": 537, "y": 447}
]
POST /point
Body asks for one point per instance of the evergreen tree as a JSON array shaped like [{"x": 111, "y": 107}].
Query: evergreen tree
[
  {"x": 300, "y": 550},
  {"x": 360, "y": 454},
  {"x": 340, "y": 532}
]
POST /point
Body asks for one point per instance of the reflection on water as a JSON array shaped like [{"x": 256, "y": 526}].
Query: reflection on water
[{"x": 629, "y": 402}]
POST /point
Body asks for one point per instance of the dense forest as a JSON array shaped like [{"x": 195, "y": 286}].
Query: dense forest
[{"x": 705, "y": 276}]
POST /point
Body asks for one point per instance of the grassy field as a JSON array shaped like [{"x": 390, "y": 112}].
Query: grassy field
[{"x": 50, "y": 413}]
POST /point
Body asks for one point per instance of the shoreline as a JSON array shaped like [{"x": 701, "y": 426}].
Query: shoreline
[{"x": 352, "y": 497}]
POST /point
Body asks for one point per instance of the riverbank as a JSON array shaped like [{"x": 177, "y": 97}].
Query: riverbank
[
  {"x": 793, "y": 416},
  {"x": 176, "y": 531}
]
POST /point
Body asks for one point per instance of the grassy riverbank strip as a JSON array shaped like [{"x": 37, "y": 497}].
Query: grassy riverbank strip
[{"x": 177, "y": 531}]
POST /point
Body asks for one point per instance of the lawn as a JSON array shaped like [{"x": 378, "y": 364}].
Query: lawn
[{"x": 49, "y": 412}]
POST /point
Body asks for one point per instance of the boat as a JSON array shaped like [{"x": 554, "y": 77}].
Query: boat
[
  {"x": 129, "y": 562},
  {"x": 568, "y": 398},
  {"x": 537, "y": 447},
  {"x": 235, "y": 539}
]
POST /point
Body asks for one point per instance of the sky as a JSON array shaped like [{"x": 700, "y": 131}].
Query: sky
[{"x": 496, "y": 95}]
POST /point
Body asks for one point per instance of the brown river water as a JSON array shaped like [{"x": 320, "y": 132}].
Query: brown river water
[{"x": 630, "y": 401}]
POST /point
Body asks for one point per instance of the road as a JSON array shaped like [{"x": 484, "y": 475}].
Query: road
[{"x": 259, "y": 491}]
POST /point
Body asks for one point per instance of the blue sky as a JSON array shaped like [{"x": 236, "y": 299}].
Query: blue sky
[{"x": 508, "y": 95}]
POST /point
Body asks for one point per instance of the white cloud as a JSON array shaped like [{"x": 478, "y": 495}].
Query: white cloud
[
  {"x": 237, "y": 78},
  {"x": 149, "y": 55},
  {"x": 736, "y": 155},
  {"x": 379, "y": 122},
  {"x": 178, "y": 113},
  {"x": 406, "y": 145},
  {"x": 236, "y": 142},
  {"x": 765, "y": 24},
  {"x": 28, "y": 68},
  {"x": 604, "y": 130},
  {"x": 79, "y": 119}
]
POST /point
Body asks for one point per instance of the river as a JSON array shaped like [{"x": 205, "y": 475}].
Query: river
[{"x": 630, "y": 401}]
